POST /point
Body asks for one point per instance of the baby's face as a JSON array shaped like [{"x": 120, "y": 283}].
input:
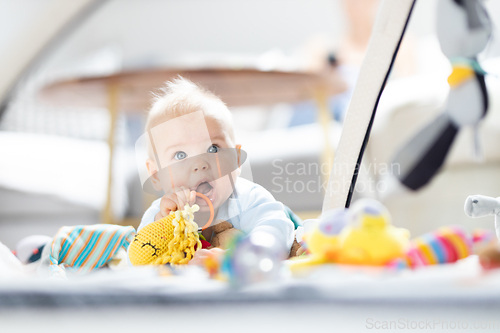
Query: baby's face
[{"x": 195, "y": 149}]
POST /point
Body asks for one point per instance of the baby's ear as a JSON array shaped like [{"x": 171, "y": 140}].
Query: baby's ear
[{"x": 153, "y": 172}]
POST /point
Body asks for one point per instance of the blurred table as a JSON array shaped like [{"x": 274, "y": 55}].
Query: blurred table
[{"x": 131, "y": 92}]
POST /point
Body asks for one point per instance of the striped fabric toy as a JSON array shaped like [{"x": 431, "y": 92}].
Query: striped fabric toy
[
  {"x": 445, "y": 245},
  {"x": 84, "y": 248}
]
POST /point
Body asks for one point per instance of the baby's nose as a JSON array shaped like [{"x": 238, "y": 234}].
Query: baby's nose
[{"x": 200, "y": 165}]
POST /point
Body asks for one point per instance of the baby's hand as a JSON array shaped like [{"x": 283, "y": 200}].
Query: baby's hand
[
  {"x": 201, "y": 255},
  {"x": 177, "y": 200}
]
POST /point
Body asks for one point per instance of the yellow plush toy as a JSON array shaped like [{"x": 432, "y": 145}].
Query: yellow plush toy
[
  {"x": 361, "y": 236},
  {"x": 322, "y": 242},
  {"x": 169, "y": 240},
  {"x": 371, "y": 239}
]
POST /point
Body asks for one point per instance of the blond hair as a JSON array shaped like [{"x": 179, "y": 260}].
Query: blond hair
[{"x": 181, "y": 96}]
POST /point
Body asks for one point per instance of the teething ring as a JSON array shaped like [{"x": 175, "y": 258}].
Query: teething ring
[{"x": 210, "y": 206}]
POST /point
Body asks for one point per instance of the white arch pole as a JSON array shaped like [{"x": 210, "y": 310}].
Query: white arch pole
[{"x": 383, "y": 47}]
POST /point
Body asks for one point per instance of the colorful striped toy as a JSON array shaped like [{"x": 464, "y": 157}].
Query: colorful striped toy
[
  {"x": 445, "y": 245},
  {"x": 84, "y": 248}
]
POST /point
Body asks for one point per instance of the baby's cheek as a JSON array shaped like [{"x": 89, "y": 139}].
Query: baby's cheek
[
  {"x": 178, "y": 178},
  {"x": 224, "y": 188},
  {"x": 228, "y": 161}
]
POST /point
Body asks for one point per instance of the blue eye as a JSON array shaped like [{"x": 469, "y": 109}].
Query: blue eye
[
  {"x": 213, "y": 149},
  {"x": 180, "y": 155}
]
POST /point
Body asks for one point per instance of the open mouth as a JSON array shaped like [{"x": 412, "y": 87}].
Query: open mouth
[{"x": 207, "y": 189}]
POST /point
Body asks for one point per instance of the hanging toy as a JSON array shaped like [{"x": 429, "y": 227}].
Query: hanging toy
[
  {"x": 463, "y": 29},
  {"x": 171, "y": 240}
]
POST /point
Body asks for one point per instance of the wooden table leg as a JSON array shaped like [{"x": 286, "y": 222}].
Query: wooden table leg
[{"x": 113, "y": 95}]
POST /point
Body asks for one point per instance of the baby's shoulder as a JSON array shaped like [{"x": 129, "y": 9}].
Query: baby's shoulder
[{"x": 251, "y": 192}]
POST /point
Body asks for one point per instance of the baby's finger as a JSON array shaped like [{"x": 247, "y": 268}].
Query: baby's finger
[
  {"x": 192, "y": 197},
  {"x": 167, "y": 205},
  {"x": 180, "y": 197},
  {"x": 196, "y": 261},
  {"x": 199, "y": 257},
  {"x": 186, "y": 196},
  {"x": 175, "y": 198}
]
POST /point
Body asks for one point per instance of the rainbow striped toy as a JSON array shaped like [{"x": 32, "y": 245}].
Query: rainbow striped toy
[{"x": 445, "y": 245}]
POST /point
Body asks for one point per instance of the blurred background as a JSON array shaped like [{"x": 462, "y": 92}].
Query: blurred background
[{"x": 54, "y": 156}]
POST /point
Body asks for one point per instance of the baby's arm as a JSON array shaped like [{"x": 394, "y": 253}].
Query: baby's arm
[
  {"x": 150, "y": 214},
  {"x": 261, "y": 212}
]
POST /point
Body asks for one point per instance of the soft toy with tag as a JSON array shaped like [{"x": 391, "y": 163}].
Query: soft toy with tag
[{"x": 223, "y": 234}]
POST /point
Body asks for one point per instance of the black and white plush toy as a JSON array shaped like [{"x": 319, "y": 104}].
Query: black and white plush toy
[{"x": 464, "y": 29}]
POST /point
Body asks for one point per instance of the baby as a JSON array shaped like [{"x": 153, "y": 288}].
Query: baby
[{"x": 192, "y": 149}]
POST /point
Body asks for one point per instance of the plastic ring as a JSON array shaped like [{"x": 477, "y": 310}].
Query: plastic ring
[{"x": 210, "y": 206}]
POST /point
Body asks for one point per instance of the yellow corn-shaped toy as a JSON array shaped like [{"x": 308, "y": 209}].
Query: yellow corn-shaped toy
[{"x": 169, "y": 240}]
